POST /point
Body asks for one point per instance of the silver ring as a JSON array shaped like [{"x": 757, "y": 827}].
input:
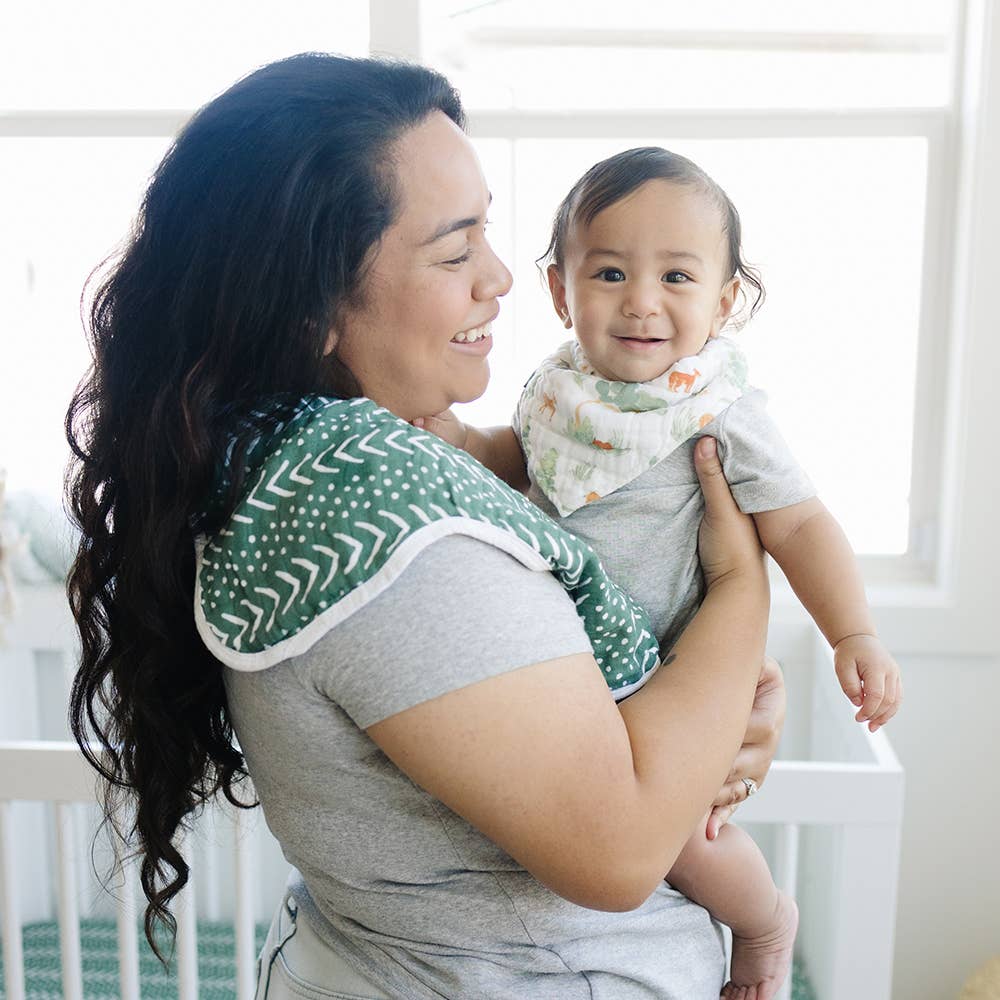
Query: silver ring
[{"x": 750, "y": 785}]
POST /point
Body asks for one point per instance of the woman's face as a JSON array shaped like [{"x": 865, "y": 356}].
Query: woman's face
[{"x": 420, "y": 339}]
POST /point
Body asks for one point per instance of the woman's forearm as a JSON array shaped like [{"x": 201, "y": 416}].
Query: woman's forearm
[
  {"x": 687, "y": 724},
  {"x": 595, "y": 800}
]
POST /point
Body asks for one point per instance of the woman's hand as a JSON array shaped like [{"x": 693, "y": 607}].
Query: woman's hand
[
  {"x": 727, "y": 541},
  {"x": 759, "y": 746}
]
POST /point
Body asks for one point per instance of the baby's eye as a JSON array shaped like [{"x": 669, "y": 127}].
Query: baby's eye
[
  {"x": 611, "y": 274},
  {"x": 675, "y": 277}
]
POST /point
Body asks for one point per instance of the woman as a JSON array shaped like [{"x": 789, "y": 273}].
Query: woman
[{"x": 468, "y": 812}]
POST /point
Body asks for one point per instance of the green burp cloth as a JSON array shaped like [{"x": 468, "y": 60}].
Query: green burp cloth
[{"x": 341, "y": 501}]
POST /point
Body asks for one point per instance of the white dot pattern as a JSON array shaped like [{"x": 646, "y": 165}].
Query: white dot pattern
[{"x": 332, "y": 452}]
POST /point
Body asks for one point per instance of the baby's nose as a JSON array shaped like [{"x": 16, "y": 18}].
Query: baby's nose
[{"x": 643, "y": 299}]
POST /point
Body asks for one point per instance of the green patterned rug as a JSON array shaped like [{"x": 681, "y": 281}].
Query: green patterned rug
[
  {"x": 99, "y": 950},
  {"x": 216, "y": 964}
]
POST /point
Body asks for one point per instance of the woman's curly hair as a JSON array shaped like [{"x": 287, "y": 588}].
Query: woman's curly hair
[{"x": 255, "y": 229}]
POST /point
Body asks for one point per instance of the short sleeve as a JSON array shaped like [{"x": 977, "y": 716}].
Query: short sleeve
[
  {"x": 759, "y": 465},
  {"x": 461, "y": 612}
]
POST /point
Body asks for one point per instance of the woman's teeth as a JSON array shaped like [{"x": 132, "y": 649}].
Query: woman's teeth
[{"x": 468, "y": 336}]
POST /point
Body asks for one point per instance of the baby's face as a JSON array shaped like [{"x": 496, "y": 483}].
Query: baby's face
[{"x": 645, "y": 284}]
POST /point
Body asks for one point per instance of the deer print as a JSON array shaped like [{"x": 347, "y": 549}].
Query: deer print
[
  {"x": 681, "y": 381},
  {"x": 548, "y": 403}
]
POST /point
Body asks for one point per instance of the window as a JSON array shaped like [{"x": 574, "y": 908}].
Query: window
[
  {"x": 837, "y": 178},
  {"x": 852, "y": 138},
  {"x": 88, "y": 105}
]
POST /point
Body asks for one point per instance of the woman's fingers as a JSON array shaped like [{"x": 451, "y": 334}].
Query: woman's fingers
[
  {"x": 730, "y": 796},
  {"x": 717, "y": 819}
]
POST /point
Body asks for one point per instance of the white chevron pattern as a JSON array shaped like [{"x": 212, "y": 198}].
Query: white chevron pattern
[{"x": 373, "y": 498}]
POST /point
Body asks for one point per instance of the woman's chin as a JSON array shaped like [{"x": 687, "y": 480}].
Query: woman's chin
[{"x": 474, "y": 389}]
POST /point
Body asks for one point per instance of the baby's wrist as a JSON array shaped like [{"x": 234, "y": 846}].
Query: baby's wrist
[{"x": 854, "y": 635}]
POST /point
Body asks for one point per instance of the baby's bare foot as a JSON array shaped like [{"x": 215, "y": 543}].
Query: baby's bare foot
[{"x": 760, "y": 964}]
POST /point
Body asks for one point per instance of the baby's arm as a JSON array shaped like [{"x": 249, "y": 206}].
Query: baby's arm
[
  {"x": 495, "y": 447},
  {"x": 813, "y": 552}
]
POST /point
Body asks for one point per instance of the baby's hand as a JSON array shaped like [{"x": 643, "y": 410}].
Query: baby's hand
[
  {"x": 869, "y": 676},
  {"x": 446, "y": 426}
]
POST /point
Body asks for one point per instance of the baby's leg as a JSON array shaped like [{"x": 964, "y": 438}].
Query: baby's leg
[{"x": 730, "y": 878}]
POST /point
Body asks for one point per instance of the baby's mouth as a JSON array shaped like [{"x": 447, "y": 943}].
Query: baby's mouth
[{"x": 651, "y": 341}]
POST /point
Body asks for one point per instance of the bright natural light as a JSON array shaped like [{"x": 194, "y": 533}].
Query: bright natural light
[{"x": 833, "y": 223}]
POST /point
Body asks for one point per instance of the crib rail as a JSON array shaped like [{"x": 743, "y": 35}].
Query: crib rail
[
  {"x": 828, "y": 818},
  {"x": 57, "y": 773}
]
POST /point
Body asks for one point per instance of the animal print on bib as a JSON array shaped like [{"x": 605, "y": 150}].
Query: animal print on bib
[{"x": 585, "y": 436}]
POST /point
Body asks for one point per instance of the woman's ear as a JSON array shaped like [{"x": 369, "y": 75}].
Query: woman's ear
[
  {"x": 331, "y": 342},
  {"x": 727, "y": 301},
  {"x": 558, "y": 292}
]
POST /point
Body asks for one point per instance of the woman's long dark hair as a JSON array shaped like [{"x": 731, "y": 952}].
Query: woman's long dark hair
[{"x": 254, "y": 231}]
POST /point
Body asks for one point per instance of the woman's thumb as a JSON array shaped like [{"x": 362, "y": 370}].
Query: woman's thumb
[{"x": 710, "y": 474}]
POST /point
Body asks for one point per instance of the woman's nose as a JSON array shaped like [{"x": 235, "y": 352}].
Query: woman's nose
[{"x": 495, "y": 280}]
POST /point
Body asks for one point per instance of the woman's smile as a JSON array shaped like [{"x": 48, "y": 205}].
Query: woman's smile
[{"x": 477, "y": 336}]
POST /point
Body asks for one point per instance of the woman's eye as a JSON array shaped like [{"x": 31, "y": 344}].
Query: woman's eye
[
  {"x": 675, "y": 277},
  {"x": 611, "y": 274},
  {"x": 459, "y": 260}
]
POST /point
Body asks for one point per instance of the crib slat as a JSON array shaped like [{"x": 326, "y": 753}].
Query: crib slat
[
  {"x": 128, "y": 936},
  {"x": 210, "y": 879},
  {"x": 187, "y": 935},
  {"x": 69, "y": 914},
  {"x": 13, "y": 951},
  {"x": 243, "y": 916}
]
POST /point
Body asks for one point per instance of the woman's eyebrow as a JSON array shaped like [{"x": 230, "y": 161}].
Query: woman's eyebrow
[{"x": 447, "y": 228}]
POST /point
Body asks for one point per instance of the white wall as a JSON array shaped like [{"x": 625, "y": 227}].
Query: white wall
[
  {"x": 947, "y": 733},
  {"x": 948, "y": 917}
]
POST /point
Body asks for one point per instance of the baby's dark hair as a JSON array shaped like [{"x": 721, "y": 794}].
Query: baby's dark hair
[{"x": 609, "y": 181}]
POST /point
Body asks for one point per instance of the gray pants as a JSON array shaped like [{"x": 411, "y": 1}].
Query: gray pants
[{"x": 295, "y": 963}]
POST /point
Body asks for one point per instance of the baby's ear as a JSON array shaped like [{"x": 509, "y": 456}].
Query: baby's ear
[
  {"x": 558, "y": 292},
  {"x": 727, "y": 301}
]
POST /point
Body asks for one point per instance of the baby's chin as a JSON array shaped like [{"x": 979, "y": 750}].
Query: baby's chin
[{"x": 632, "y": 376}]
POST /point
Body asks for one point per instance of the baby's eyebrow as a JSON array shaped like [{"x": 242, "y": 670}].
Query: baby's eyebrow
[{"x": 662, "y": 254}]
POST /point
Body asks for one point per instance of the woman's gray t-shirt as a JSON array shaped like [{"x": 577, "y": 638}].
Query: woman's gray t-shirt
[{"x": 406, "y": 890}]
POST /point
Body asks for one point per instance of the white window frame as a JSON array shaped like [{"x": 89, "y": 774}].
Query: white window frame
[{"x": 937, "y": 597}]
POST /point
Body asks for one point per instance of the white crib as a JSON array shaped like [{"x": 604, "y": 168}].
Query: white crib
[{"x": 828, "y": 819}]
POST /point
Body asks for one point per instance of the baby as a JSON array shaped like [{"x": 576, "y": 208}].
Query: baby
[{"x": 646, "y": 265}]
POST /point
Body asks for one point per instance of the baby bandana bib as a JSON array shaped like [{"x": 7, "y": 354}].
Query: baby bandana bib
[
  {"x": 585, "y": 436},
  {"x": 340, "y": 501}
]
